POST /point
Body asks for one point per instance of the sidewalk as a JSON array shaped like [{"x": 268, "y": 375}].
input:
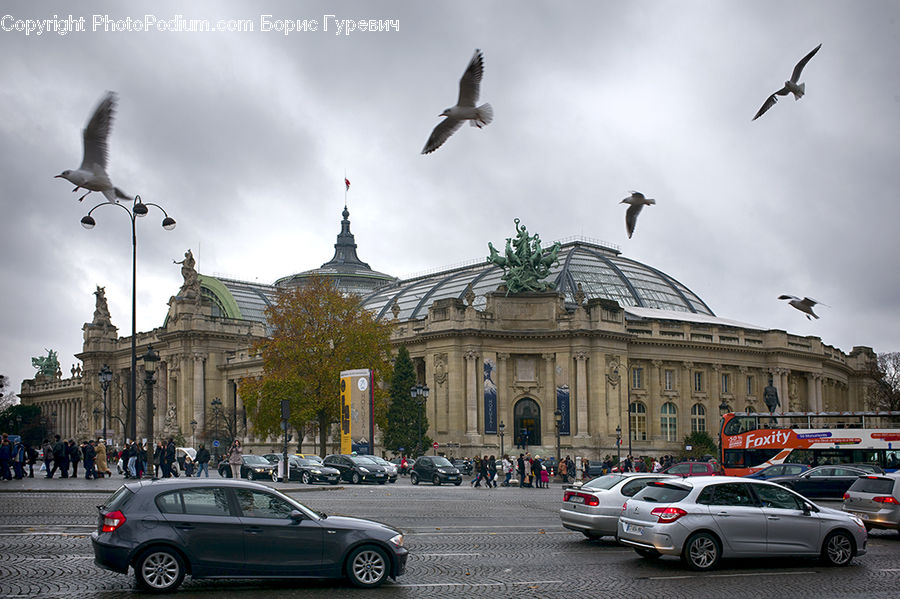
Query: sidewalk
[{"x": 41, "y": 483}]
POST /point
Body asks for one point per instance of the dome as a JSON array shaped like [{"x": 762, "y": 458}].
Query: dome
[{"x": 600, "y": 268}]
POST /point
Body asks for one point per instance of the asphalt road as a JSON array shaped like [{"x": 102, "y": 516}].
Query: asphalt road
[{"x": 463, "y": 541}]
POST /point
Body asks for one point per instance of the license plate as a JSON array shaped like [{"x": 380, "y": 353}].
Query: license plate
[
  {"x": 576, "y": 499},
  {"x": 634, "y": 529}
]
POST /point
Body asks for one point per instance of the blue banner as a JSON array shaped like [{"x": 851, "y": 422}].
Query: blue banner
[
  {"x": 562, "y": 404},
  {"x": 490, "y": 397}
]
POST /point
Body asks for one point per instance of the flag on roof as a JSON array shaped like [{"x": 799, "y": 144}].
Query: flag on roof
[{"x": 347, "y": 183}]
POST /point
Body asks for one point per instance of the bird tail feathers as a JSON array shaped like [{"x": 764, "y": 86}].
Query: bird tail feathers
[
  {"x": 484, "y": 114},
  {"x": 799, "y": 93},
  {"x": 122, "y": 194}
]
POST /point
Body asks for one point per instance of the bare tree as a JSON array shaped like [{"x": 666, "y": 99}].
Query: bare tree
[{"x": 885, "y": 393}]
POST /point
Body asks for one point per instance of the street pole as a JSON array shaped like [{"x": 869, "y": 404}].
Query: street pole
[
  {"x": 137, "y": 209},
  {"x": 105, "y": 378},
  {"x": 618, "y": 445},
  {"x": 501, "y": 427},
  {"x": 151, "y": 359}
]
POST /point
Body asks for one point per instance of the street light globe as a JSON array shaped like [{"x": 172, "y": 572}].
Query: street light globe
[
  {"x": 139, "y": 209},
  {"x": 88, "y": 222},
  {"x": 168, "y": 223}
]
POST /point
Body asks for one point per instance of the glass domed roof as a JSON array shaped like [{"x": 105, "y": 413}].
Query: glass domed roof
[{"x": 600, "y": 269}]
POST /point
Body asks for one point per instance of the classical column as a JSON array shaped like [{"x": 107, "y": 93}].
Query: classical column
[
  {"x": 198, "y": 399},
  {"x": 655, "y": 400},
  {"x": 503, "y": 413},
  {"x": 785, "y": 386},
  {"x": 471, "y": 392},
  {"x": 581, "y": 395},
  {"x": 820, "y": 400},
  {"x": 548, "y": 404}
]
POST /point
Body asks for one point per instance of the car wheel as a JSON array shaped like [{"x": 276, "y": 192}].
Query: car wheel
[
  {"x": 304, "y": 478},
  {"x": 648, "y": 553},
  {"x": 701, "y": 551},
  {"x": 159, "y": 570},
  {"x": 274, "y": 476},
  {"x": 436, "y": 481},
  {"x": 457, "y": 483},
  {"x": 367, "y": 566},
  {"x": 355, "y": 479},
  {"x": 837, "y": 549},
  {"x": 414, "y": 478}
]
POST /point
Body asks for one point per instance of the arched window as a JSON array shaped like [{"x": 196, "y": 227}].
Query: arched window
[
  {"x": 527, "y": 419},
  {"x": 668, "y": 421},
  {"x": 698, "y": 418},
  {"x": 638, "y": 420}
]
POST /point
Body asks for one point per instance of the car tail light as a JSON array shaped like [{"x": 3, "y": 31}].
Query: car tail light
[
  {"x": 112, "y": 521},
  {"x": 886, "y": 499},
  {"x": 624, "y": 505},
  {"x": 666, "y": 515},
  {"x": 846, "y": 496},
  {"x": 590, "y": 500}
]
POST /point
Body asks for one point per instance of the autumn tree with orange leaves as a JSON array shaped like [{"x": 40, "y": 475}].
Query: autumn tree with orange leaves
[{"x": 316, "y": 333}]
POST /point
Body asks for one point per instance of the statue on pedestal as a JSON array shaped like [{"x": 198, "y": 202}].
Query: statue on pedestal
[
  {"x": 190, "y": 290},
  {"x": 770, "y": 396}
]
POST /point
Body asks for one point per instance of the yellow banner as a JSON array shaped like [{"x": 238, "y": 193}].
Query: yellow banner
[{"x": 346, "y": 439}]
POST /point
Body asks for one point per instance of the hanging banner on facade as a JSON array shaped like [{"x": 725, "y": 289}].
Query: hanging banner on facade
[
  {"x": 357, "y": 411},
  {"x": 562, "y": 404},
  {"x": 490, "y": 396}
]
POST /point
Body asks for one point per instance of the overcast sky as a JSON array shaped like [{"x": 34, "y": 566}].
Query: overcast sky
[{"x": 245, "y": 138}]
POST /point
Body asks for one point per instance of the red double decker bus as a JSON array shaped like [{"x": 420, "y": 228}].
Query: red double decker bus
[{"x": 752, "y": 441}]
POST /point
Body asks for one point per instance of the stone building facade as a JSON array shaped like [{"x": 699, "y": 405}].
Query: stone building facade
[{"x": 614, "y": 334}]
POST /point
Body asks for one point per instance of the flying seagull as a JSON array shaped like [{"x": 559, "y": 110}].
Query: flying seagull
[
  {"x": 465, "y": 109},
  {"x": 91, "y": 175},
  {"x": 637, "y": 202},
  {"x": 804, "y": 305},
  {"x": 790, "y": 87}
]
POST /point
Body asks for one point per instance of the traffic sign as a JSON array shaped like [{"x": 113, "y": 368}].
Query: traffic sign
[
  {"x": 216, "y": 443},
  {"x": 435, "y": 445}
]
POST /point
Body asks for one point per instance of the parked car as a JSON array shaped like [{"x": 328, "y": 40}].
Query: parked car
[
  {"x": 685, "y": 469},
  {"x": 436, "y": 469},
  {"x": 357, "y": 469},
  {"x": 304, "y": 470},
  {"x": 398, "y": 462},
  {"x": 200, "y": 527},
  {"x": 875, "y": 498},
  {"x": 594, "y": 508},
  {"x": 867, "y": 466},
  {"x": 822, "y": 482},
  {"x": 464, "y": 466},
  {"x": 778, "y": 470},
  {"x": 390, "y": 468},
  {"x": 253, "y": 467},
  {"x": 705, "y": 519}
]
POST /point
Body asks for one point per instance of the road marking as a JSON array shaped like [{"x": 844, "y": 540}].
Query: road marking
[
  {"x": 442, "y": 554},
  {"x": 727, "y": 575},
  {"x": 437, "y": 533},
  {"x": 482, "y": 584}
]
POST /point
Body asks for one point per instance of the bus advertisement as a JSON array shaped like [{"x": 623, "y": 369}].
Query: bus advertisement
[{"x": 753, "y": 441}]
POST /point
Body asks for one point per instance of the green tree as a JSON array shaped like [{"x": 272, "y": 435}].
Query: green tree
[
  {"x": 317, "y": 332},
  {"x": 701, "y": 445},
  {"x": 885, "y": 393},
  {"x": 22, "y": 420},
  {"x": 406, "y": 416}
]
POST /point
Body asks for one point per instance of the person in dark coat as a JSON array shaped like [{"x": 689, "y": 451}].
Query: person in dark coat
[
  {"x": 203, "y": 461},
  {"x": 89, "y": 454},
  {"x": 536, "y": 471},
  {"x": 74, "y": 456},
  {"x": 169, "y": 458},
  {"x": 60, "y": 458},
  {"x": 520, "y": 466}
]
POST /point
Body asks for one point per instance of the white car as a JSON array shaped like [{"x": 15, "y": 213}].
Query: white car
[{"x": 594, "y": 508}]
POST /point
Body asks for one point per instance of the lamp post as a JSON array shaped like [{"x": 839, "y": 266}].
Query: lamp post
[
  {"x": 217, "y": 407},
  {"x": 501, "y": 428},
  {"x": 137, "y": 209},
  {"x": 193, "y": 430},
  {"x": 618, "y": 445},
  {"x": 723, "y": 409},
  {"x": 151, "y": 359},
  {"x": 105, "y": 376},
  {"x": 420, "y": 394},
  {"x": 557, "y": 419}
]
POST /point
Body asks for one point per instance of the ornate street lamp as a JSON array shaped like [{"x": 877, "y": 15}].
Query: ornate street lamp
[
  {"x": 618, "y": 445},
  {"x": 193, "y": 430},
  {"x": 105, "y": 376},
  {"x": 501, "y": 427},
  {"x": 420, "y": 393},
  {"x": 217, "y": 407},
  {"x": 151, "y": 361},
  {"x": 137, "y": 209}
]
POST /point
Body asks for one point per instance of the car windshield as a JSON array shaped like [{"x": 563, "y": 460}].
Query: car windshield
[
  {"x": 255, "y": 459},
  {"x": 603, "y": 482},
  {"x": 307, "y": 462},
  {"x": 873, "y": 484},
  {"x": 660, "y": 492},
  {"x": 439, "y": 461},
  {"x": 363, "y": 460}
]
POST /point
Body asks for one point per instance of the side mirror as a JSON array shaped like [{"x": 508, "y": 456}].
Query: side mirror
[
  {"x": 297, "y": 515},
  {"x": 807, "y": 508}
]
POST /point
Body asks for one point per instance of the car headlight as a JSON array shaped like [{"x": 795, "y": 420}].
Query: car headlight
[
  {"x": 361, "y": 469},
  {"x": 259, "y": 469},
  {"x": 858, "y": 521},
  {"x": 396, "y": 540},
  {"x": 316, "y": 471}
]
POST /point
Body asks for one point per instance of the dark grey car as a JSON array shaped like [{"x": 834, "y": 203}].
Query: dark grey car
[{"x": 165, "y": 529}]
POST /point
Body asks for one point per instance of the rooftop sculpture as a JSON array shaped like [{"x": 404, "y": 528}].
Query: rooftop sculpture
[{"x": 525, "y": 263}]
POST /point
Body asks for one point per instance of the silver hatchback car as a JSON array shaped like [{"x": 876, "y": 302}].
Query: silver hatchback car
[
  {"x": 875, "y": 498},
  {"x": 594, "y": 508},
  {"x": 704, "y": 519}
]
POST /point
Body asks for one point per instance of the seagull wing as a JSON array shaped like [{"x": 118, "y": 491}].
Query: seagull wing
[
  {"x": 788, "y": 297},
  {"x": 770, "y": 102},
  {"x": 810, "y": 301},
  {"x": 631, "y": 218},
  {"x": 96, "y": 134},
  {"x": 470, "y": 82},
  {"x": 441, "y": 132},
  {"x": 636, "y": 195},
  {"x": 795, "y": 76}
]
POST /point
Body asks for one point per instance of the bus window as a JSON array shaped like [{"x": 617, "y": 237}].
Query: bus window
[
  {"x": 801, "y": 456},
  {"x": 740, "y": 424},
  {"x": 892, "y": 459}
]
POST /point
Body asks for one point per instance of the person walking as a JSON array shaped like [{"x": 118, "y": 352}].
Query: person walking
[
  {"x": 490, "y": 471},
  {"x": 31, "y": 456},
  {"x": 101, "y": 465},
  {"x": 60, "y": 459},
  {"x": 129, "y": 456},
  {"x": 6, "y": 457},
  {"x": 203, "y": 461},
  {"x": 476, "y": 482},
  {"x": 158, "y": 455},
  {"x": 536, "y": 465},
  {"x": 507, "y": 466},
  {"x": 234, "y": 458},
  {"x": 520, "y": 464},
  {"x": 90, "y": 465},
  {"x": 74, "y": 456}
]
